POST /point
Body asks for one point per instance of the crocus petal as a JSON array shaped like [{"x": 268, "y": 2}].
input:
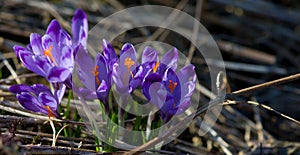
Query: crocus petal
[
  {"x": 102, "y": 68},
  {"x": 128, "y": 54},
  {"x": 168, "y": 107},
  {"x": 58, "y": 74},
  {"x": 53, "y": 30},
  {"x": 59, "y": 93},
  {"x": 20, "y": 88},
  {"x": 187, "y": 78},
  {"x": 170, "y": 58},
  {"x": 102, "y": 92},
  {"x": 149, "y": 80},
  {"x": 184, "y": 104},
  {"x": 37, "y": 88},
  {"x": 108, "y": 51},
  {"x": 43, "y": 64},
  {"x": 31, "y": 103},
  {"x": 85, "y": 65},
  {"x": 65, "y": 39},
  {"x": 36, "y": 44},
  {"x": 19, "y": 49},
  {"x": 118, "y": 79},
  {"x": 29, "y": 61},
  {"x": 187, "y": 73},
  {"x": 80, "y": 28},
  {"x": 158, "y": 94},
  {"x": 149, "y": 54},
  {"x": 29, "y": 47},
  {"x": 170, "y": 78},
  {"x": 87, "y": 93},
  {"x": 187, "y": 89},
  {"x": 123, "y": 69},
  {"x": 49, "y": 43},
  {"x": 66, "y": 58},
  {"x": 129, "y": 49},
  {"x": 48, "y": 100},
  {"x": 136, "y": 81}
]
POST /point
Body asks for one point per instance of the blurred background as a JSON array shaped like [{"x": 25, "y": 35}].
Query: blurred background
[{"x": 259, "y": 41}]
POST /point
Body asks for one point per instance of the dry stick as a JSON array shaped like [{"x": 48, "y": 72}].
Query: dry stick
[
  {"x": 199, "y": 87},
  {"x": 11, "y": 70},
  {"x": 219, "y": 101},
  {"x": 169, "y": 20},
  {"x": 258, "y": 124},
  {"x": 36, "y": 149},
  {"x": 16, "y": 111},
  {"x": 246, "y": 52},
  {"x": 52, "y": 10},
  {"x": 32, "y": 115},
  {"x": 55, "y": 139},
  {"x": 267, "y": 84},
  {"x": 41, "y": 134},
  {"x": 20, "y": 77},
  {"x": 195, "y": 30},
  {"x": 229, "y": 102}
]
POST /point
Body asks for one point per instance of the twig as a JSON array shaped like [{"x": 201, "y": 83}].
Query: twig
[
  {"x": 247, "y": 67},
  {"x": 54, "y": 132},
  {"x": 36, "y": 149},
  {"x": 16, "y": 111},
  {"x": 246, "y": 52},
  {"x": 40, "y": 134},
  {"x": 11, "y": 70},
  {"x": 169, "y": 20},
  {"x": 195, "y": 30},
  {"x": 27, "y": 120},
  {"x": 267, "y": 84},
  {"x": 59, "y": 133},
  {"x": 229, "y": 102},
  {"x": 258, "y": 124},
  {"x": 20, "y": 77}
]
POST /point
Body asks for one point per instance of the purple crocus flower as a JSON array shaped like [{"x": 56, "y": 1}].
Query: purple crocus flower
[
  {"x": 96, "y": 75},
  {"x": 177, "y": 87},
  {"x": 38, "y": 98},
  {"x": 123, "y": 69},
  {"x": 51, "y": 55},
  {"x": 79, "y": 29},
  {"x": 150, "y": 64}
]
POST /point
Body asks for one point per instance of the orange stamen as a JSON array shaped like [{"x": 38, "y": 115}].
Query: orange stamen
[
  {"x": 50, "y": 113},
  {"x": 172, "y": 85},
  {"x": 96, "y": 73},
  {"x": 155, "y": 67},
  {"x": 47, "y": 52},
  {"x": 128, "y": 63}
]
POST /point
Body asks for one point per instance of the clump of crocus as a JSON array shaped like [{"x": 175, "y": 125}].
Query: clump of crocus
[
  {"x": 38, "y": 98},
  {"x": 51, "y": 55},
  {"x": 171, "y": 92}
]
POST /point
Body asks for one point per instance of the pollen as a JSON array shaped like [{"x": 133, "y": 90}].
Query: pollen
[
  {"x": 155, "y": 67},
  {"x": 95, "y": 72},
  {"x": 47, "y": 52},
  {"x": 172, "y": 85},
  {"x": 128, "y": 63},
  {"x": 50, "y": 113}
]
